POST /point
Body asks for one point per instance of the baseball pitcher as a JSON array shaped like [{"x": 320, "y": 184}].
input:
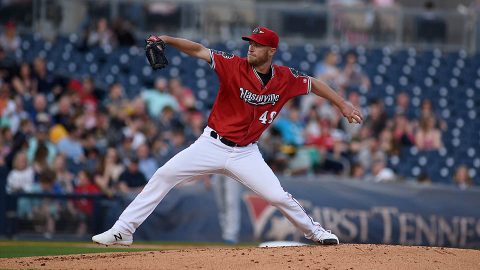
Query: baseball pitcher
[{"x": 251, "y": 94}]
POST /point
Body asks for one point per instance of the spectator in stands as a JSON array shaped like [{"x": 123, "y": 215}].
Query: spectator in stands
[
  {"x": 101, "y": 36},
  {"x": 184, "y": 95},
  {"x": 131, "y": 180},
  {"x": 58, "y": 90},
  {"x": 324, "y": 108},
  {"x": 20, "y": 141},
  {"x": 385, "y": 20},
  {"x": 270, "y": 146},
  {"x": 84, "y": 207},
  {"x": 160, "y": 150},
  {"x": 7, "y": 62},
  {"x": 403, "y": 135},
  {"x": 327, "y": 70},
  {"x": 125, "y": 149},
  {"x": 290, "y": 127},
  {"x": 377, "y": 118},
  {"x": 39, "y": 111},
  {"x": 14, "y": 113},
  {"x": 426, "y": 110},
  {"x": 88, "y": 92},
  {"x": 138, "y": 109},
  {"x": 312, "y": 128},
  {"x": 10, "y": 40},
  {"x": 166, "y": 148},
  {"x": 195, "y": 125},
  {"x": 6, "y": 140},
  {"x": 134, "y": 130},
  {"x": 330, "y": 145},
  {"x": 64, "y": 177},
  {"x": 92, "y": 154},
  {"x": 325, "y": 139},
  {"x": 45, "y": 80},
  {"x": 167, "y": 121},
  {"x": 123, "y": 32},
  {"x": 115, "y": 101},
  {"x": 150, "y": 130},
  {"x": 402, "y": 105},
  {"x": 430, "y": 26},
  {"x": 21, "y": 178},
  {"x": 386, "y": 141},
  {"x": 428, "y": 137},
  {"x": 461, "y": 178},
  {"x": 24, "y": 83},
  {"x": 88, "y": 118},
  {"x": 64, "y": 111},
  {"x": 40, "y": 150},
  {"x": 4, "y": 92},
  {"x": 352, "y": 75},
  {"x": 357, "y": 171},
  {"x": 370, "y": 151},
  {"x": 359, "y": 141},
  {"x": 380, "y": 172},
  {"x": 71, "y": 145},
  {"x": 102, "y": 132},
  {"x": 352, "y": 130},
  {"x": 147, "y": 164},
  {"x": 178, "y": 142},
  {"x": 352, "y": 24},
  {"x": 158, "y": 98},
  {"x": 108, "y": 172},
  {"x": 83, "y": 93}
]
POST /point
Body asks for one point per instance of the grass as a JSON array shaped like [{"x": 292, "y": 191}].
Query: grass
[
  {"x": 17, "y": 249},
  {"x": 27, "y": 251}
]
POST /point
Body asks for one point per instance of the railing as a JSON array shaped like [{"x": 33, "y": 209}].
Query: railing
[
  {"x": 43, "y": 208},
  {"x": 296, "y": 22}
]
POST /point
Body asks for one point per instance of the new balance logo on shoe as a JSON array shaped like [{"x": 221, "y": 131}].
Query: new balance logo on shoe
[{"x": 118, "y": 237}]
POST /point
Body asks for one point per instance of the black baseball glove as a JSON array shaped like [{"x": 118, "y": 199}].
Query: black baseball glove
[{"x": 155, "y": 51}]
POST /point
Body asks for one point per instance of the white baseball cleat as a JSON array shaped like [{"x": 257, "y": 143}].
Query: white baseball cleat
[
  {"x": 113, "y": 237},
  {"x": 324, "y": 237}
]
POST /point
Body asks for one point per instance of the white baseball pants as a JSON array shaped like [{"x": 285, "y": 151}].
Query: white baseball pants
[{"x": 210, "y": 156}]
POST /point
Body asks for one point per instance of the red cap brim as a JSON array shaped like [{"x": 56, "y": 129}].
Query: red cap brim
[{"x": 254, "y": 39}]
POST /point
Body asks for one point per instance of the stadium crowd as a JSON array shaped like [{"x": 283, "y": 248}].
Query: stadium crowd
[{"x": 63, "y": 134}]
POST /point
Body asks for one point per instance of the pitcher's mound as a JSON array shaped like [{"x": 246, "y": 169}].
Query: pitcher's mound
[{"x": 346, "y": 256}]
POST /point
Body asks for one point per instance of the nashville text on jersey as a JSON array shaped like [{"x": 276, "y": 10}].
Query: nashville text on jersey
[{"x": 256, "y": 100}]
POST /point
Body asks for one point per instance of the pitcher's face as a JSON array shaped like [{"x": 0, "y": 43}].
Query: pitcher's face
[{"x": 258, "y": 54}]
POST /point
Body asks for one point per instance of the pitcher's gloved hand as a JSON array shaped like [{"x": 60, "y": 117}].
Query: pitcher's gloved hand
[{"x": 155, "y": 52}]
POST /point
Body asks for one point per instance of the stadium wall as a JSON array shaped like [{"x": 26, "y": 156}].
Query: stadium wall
[{"x": 358, "y": 212}]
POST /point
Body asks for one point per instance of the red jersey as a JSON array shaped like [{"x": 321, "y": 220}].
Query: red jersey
[{"x": 244, "y": 107}]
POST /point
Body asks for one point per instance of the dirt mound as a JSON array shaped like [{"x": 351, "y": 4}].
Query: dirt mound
[{"x": 346, "y": 256}]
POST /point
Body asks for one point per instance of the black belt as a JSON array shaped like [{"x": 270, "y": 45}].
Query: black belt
[{"x": 225, "y": 141}]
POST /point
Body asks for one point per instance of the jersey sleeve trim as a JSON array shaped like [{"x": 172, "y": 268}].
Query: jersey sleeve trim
[
  {"x": 212, "y": 64},
  {"x": 309, "y": 90}
]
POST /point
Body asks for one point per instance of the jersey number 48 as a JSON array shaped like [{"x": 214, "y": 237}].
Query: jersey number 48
[{"x": 267, "y": 118}]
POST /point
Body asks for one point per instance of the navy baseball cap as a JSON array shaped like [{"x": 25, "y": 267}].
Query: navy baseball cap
[{"x": 263, "y": 36}]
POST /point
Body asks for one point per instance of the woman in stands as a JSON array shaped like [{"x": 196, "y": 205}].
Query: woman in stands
[
  {"x": 428, "y": 137},
  {"x": 461, "y": 178}
]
